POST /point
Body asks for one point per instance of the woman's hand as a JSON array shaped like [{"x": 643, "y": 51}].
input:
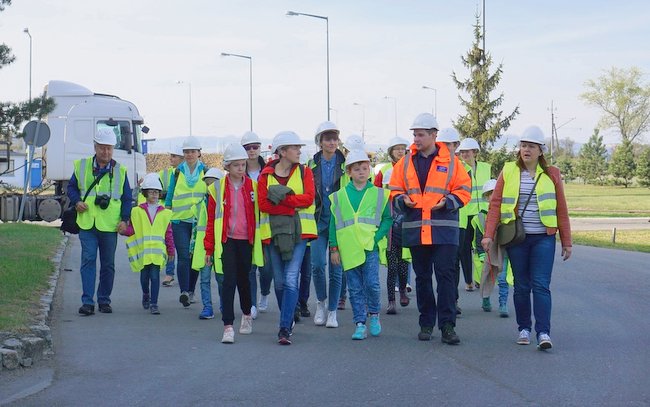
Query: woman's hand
[
  {"x": 566, "y": 253},
  {"x": 486, "y": 243}
]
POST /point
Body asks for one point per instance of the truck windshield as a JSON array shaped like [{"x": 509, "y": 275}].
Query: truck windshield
[
  {"x": 138, "y": 137},
  {"x": 122, "y": 130}
]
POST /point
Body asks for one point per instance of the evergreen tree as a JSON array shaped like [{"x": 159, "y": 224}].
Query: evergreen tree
[
  {"x": 592, "y": 160},
  {"x": 482, "y": 120},
  {"x": 643, "y": 167},
  {"x": 623, "y": 166}
]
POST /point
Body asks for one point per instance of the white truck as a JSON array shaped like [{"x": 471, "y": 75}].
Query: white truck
[{"x": 78, "y": 114}]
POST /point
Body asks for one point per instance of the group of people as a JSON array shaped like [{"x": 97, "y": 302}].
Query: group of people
[{"x": 291, "y": 222}]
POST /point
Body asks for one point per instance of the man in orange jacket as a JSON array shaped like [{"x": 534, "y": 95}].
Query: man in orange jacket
[{"x": 430, "y": 185}]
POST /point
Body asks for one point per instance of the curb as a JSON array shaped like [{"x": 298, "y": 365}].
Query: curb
[{"x": 23, "y": 350}]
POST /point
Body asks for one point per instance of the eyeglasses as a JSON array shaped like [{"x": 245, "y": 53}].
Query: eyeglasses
[{"x": 249, "y": 147}]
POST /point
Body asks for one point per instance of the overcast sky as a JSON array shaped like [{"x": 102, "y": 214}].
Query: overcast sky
[{"x": 140, "y": 49}]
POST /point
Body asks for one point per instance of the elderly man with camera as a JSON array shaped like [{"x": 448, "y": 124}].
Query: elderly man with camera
[{"x": 100, "y": 192}]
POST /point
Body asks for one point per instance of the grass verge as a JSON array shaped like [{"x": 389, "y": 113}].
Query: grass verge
[
  {"x": 25, "y": 267},
  {"x": 607, "y": 201},
  {"x": 632, "y": 240}
]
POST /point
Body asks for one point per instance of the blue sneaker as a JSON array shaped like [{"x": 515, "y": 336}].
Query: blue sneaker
[
  {"x": 360, "y": 333},
  {"x": 206, "y": 313},
  {"x": 375, "y": 326}
]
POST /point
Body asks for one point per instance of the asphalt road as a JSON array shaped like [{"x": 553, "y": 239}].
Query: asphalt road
[{"x": 600, "y": 354}]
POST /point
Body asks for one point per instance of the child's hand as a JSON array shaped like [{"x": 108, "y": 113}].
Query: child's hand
[
  {"x": 170, "y": 259},
  {"x": 335, "y": 258},
  {"x": 208, "y": 260}
]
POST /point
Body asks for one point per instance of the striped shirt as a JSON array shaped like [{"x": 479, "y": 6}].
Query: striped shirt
[{"x": 532, "y": 222}]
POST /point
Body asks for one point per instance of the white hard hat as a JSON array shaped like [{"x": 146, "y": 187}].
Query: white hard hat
[
  {"x": 424, "y": 121},
  {"x": 286, "y": 138},
  {"x": 105, "y": 136},
  {"x": 448, "y": 135},
  {"x": 234, "y": 152},
  {"x": 213, "y": 173},
  {"x": 176, "y": 150},
  {"x": 356, "y": 156},
  {"x": 325, "y": 127},
  {"x": 354, "y": 142},
  {"x": 191, "y": 143},
  {"x": 489, "y": 186},
  {"x": 151, "y": 181},
  {"x": 469, "y": 144},
  {"x": 533, "y": 134},
  {"x": 397, "y": 141},
  {"x": 250, "y": 138}
]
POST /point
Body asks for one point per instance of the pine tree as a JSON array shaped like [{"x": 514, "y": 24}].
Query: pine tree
[
  {"x": 643, "y": 167},
  {"x": 482, "y": 120},
  {"x": 592, "y": 160},
  {"x": 623, "y": 166}
]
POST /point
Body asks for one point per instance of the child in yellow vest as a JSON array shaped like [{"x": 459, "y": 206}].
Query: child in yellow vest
[
  {"x": 360, "y": 222},
  {"x": 150, "y": 243}
]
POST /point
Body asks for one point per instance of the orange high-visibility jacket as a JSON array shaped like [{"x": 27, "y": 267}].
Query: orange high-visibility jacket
[{"x": 447, "y": 178}]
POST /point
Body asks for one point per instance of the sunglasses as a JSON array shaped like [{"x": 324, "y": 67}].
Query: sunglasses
[{"x": 249, "y": 147}]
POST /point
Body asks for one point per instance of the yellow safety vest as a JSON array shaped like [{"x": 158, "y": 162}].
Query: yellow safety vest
[
  {"x": 478, "y": 222},
  {"x": 198, "y": 254},
  {"x": 355, "y": 231},
  {"x": 186, "y": 199},
  {"x": 545, "y": 191},
  {"x": 307, "y": 219},
  {"x": 147, "y": 244},
  {"x": 112, "y": 185},
  {"x": 479, "y": 177}
]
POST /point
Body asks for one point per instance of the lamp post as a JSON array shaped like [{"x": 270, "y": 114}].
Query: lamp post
[
  {"x": 250, "y": 60},
  {"x": 394, "y": 100},
  {"x": 435, "y": 100},
  {"x": 26, "y": 31},
  {"x": 189, "y": 86},
  {"x": 363, "y": 119},
  {"x": 327, "y": 32}
]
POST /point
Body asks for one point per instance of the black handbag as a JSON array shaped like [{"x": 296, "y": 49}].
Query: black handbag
[
  {"x": 513, "y": 233},
  {"x": 69, "y": 216}
]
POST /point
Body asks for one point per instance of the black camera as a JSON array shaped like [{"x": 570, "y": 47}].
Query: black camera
[{"x": 102, "y": 201}]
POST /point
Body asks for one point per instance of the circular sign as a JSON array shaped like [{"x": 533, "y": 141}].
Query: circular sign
[{"x": 37, "y": 134}]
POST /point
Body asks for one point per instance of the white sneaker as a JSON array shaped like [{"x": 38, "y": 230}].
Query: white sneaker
[
  {"x": 254, "y": 312},
  {"x": 544, "y": 342},
  {"x": 192, "y": 300},
  {"x": 228, "y": 335},
  {"x": 264, "y": 303},
  {"x": 246, "y": 327},
  {"x": 319, "y": 317},
  {"x": 524, "y": 337},
  {"x": 331, "y": 320}
]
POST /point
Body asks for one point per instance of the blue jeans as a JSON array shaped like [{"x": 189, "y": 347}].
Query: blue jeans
[
  {"x": 532, "y": 264},
  {"x": 503, "y": 284},
  {"x": 150, "y": 274},
  {"x": 92, "y": 240},
  {"x": 365, "y": 290},
  {"x": 169, "y": 268},
  {"x": 305, "y": 277},
  {"x": 266, "y": 276},
  {"x": 182, "y": 235},
  {"x": 319, "y": 259},
  {"x": 206, "y": 294},
  {"x": 285, "y": 276}
]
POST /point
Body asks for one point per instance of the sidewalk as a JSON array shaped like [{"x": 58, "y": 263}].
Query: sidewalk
[{"x": 609, "y": 223}]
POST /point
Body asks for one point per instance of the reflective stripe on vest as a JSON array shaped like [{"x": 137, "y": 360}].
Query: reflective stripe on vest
[
  {"x": 147, "y": 244},
  {"x": 545, "y": 191},
  {"x": 111, "y": 185}
]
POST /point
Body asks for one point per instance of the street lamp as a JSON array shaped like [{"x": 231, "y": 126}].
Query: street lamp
[
  {"x": 435, "y": 100},
  {"x": 26, "y": 31},
  {"x": 363, "y": 119},
  {"x": 394, "y": 100},
  {"x": 189, "y": 86},
  {"x": 250, "y": 60},
  {"x": 327, "y": 28}
]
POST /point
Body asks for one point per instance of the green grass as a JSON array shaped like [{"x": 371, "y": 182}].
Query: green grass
[
  {"x": 25, "y": 267},
  {"x": 633, "y": 240},
  {"x": 607, "y": 201}
]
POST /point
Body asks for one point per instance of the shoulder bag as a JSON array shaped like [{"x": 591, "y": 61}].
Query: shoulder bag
[
  {"x": 69, "y": 216},
  {"x": 513, "y": 233}
]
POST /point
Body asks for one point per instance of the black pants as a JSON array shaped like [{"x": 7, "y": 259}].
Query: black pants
[
  {"x": 398, "y": 268},
  {"x": 466, "y": 251},
  {"x": 236, "y": 260}
]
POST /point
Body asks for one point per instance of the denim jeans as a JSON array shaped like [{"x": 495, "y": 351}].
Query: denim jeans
[
  {"x": 305, "y": 276},
  {"x": 169, "y": 268},
  {"x": 206, "y": 294},
  {"x": 532, "y": 264},
  {"x": 92, "y": 240},
  {"x": 285, "y": 276},
  {"x": 182, "y": 234},
  {"x": 503, "y": 284},
  {"x": 365, "y": 290},
  {"x": 319, "y": 259},
  {"x": 442, "y": 259},
  {"x": 266, "y": 276},
  {"x": 150, "y": 274}
]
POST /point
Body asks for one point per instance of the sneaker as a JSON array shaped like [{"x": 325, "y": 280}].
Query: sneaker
[
  {"x": 296, "y": 314},
  {"x": 503, "y": 311},
  {"x": 105, "y": 309},
  {"x": 284, "y": 337},
  {"x": 87, "y": 309},
  {"x": 408, "y": 288},
  {"x": 319, "y": 317},
  {"x": 524, "y": 337},
  {"x": 206, "y": 313},
  {"x": 426, "y": 332},
  {"x": 396, "y": 289},
  {"x": 254, "y": 312},
  {"x": 246, "y": 327},
  {"x": 304, "y": 310},
  {"x": 458, "y": 310},
  {"x": 360, "y": 333},
  {"x": 391, "y": 310},
  {"x": 154, "y": 309},
  {"x": 264, "y": 303},
  {"x": 487, "y": 307},
  {"x": 146, "y": 301},
  {"x": 184, "y": 299},
  {"x": 469, "y": 287},
  {"x": 341, "y": 305},
  {"x": 331, "y": 320},
  {"x": 544, "y": 342},
  {"x": 404, "y": 299},
  {"x": 375, "y": 326},
  {"x": 228, "y": 335},
  {"x": 449, "y": 335},
  {"x": 191, "y": 295},
  {"x": 168, "y": 281}
]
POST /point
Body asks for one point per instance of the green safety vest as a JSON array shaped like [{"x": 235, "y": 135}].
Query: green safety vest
[
  {"x": 479, "y": 177},
  {"x": 147, "y": 244},
  {"x": 198, "y": 253},
  {"x": 545, "y": 191},
  {"x": 112, "y": 184},
  {"x": 186, "y": 199},
  {"x": 355, "y": 231}
]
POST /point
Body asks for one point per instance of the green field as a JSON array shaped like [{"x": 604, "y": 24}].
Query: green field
[
  {"x": 634, "y": 240},
  {"x": 592, "y": 200}
]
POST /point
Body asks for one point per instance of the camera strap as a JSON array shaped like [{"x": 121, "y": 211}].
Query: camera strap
[{"x": 95, "y": 181}]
